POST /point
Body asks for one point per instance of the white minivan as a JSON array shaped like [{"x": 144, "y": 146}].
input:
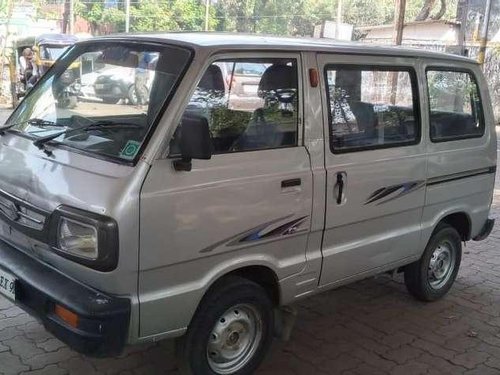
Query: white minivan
[{"x": 204, "y": 213}]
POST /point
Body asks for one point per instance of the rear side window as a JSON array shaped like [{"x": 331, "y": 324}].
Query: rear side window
[
  {"x": 455, "y": 105},
  {"x": 250, "y": 104},
  {"x": 372, "y": 107}
]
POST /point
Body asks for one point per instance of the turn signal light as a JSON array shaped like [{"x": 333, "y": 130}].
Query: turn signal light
[
  {"x": 313, "y": 77},
  {"x": 68, "y": 316}
]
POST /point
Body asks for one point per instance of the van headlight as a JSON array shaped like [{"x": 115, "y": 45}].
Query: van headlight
[
  {"x": 77, "y": 238},
  {"x": 85, "y": 237}
]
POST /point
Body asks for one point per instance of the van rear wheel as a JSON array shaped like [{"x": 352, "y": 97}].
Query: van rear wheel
[
  {"x": 231, "y": 331},
  {"x": 432, "y": 276}
]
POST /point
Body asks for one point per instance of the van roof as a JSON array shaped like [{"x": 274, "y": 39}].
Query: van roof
[{"x": 230, "y": 41}]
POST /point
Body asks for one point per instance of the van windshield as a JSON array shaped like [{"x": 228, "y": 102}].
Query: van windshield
[{"x": 122, "y": 84}]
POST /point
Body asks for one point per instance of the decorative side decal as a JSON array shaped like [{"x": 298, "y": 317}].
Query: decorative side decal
[
  {"x": 262, "y": 232},
  {"x": 389, "y": 192}
]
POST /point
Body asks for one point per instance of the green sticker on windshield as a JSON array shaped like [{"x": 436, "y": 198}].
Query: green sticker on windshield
[{"x": 130, "y": 150}]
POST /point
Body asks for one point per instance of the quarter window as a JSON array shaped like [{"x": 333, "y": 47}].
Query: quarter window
[
  {"x": 250, "y": 104},
  {"x": 455, "y": 106},
  {"x": 371, "y": 107}
]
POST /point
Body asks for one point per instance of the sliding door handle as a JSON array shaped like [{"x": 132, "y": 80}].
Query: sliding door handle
[{"x": 340, "y": 186}]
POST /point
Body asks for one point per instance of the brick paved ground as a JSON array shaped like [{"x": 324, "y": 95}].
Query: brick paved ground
[{"x": 371, "y": 327}]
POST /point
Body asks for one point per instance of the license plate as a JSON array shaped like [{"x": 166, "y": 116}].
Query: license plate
[
  {"x": 99, "y": 86},
  {"x": 7, "y": 285}
]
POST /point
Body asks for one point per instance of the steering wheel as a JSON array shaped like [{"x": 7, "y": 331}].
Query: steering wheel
[{"x": 286, "y": 95}]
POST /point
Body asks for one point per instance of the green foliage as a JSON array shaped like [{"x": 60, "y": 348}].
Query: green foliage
[
  {"x": 148, "y": 15},
  {"x": 280, "y": 17},
  {"x": 189, "y": 14}
]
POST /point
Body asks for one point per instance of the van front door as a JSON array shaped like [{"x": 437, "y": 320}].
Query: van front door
[
  {"x": 249, "y": 205},
  {"x": 375, "y": 162}
]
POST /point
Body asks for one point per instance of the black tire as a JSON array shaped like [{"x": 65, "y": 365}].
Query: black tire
[
  {"x": 228, "y": 293},
  {"x": 111, "y": 100},
  {"x": 67, "y": 101},
  {"x": 132, "y": 95},
  {"x": 418, "y": 280}
]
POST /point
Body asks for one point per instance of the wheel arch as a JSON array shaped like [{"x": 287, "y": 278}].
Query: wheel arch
[
  {"x": 461, "y": 221},
  {"x": 260, "y": 274}
]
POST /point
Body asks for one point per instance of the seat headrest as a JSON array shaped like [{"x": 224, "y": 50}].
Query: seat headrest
[
  {"x": 212, "y": 79},
  {"x": 278, "y": 76}
]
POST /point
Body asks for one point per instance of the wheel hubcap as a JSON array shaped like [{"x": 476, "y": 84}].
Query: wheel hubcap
[
  {"x": 234, "y": 339},
  {"x": 441, "y": 265}
]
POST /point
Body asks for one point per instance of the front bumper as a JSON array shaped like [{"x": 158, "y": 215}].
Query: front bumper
[
  {"x": 103, "y": 320},
  {"x": 485, "y": 230}
]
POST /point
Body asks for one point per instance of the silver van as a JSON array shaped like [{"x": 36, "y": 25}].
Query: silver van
[{"x": 201, "y": 214}]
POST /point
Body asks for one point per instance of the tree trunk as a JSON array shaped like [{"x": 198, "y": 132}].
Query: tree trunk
[
  {"x": 441, "y": 12},
  {"x": 425, "y": 11},
  {"x": 66, "y": 15}
]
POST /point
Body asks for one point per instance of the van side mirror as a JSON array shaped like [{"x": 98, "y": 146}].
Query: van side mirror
[{"x": 195, "y": 142}]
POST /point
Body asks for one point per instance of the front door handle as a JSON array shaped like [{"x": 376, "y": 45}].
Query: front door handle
[
  {"x": 340, "y": 186},
  {"x": 291, "y": 183}
]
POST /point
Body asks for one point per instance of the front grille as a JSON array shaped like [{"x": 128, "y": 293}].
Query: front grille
[{"x": 21, "y": 213}]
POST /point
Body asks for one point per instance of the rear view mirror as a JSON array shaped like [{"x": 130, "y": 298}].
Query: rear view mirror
[
  {"x": 195, "y": 142},
  {"x": 119, "y": 56}
]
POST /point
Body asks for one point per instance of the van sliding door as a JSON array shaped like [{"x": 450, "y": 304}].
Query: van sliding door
[{"x": 375, "y": 164}]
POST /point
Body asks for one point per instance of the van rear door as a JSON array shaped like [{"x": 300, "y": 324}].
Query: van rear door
[
  {"x": 462, "y": 150},
  {"x": 375, "y": 163}
]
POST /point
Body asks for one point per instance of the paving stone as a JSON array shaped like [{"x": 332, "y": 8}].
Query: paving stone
[
  {"x": 15, "y": 321},
  {"x": 78, "y": 366},
  {"x": 411, "y": 368},
  {"x": 403, "y": 354},
  {"x": 8, "y": 333},
  {"x": 493, "y": 362},
  {"x": 434, "y": 349},
  {"x": 470, "y": 360},
  {"x": 441, "y": 365},
  {"x": 51, "y": 345},
  {"x": 364, "y": 369},
  {"x": 49, "y": 370},
  {"x": 3, "y": 348},
  {"x": 342, "y": 363},
  {"x": 34, "y": 331},
  {"x": 42, "y": 360},
  {"x": 482, "y": 370},
  {"x": 21, "y": 347},
  {"x": 11, "y": 364}
]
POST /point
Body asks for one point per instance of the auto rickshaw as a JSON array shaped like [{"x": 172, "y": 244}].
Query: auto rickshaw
[{"x": 46, "y": 50}]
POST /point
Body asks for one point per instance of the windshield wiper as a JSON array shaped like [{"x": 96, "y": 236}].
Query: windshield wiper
[
  {"x": 40, "y": 142},
  {"x": 34, "y": 121}
]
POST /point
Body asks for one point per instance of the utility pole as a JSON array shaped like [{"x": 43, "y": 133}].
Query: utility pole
[
  {"x": 399, "y": 22},
  {"x": 484, "y": 33},
  {"x": 10, "y": 8},
  {"x": 339, "y": 19},
  {"x": 207, "y": 14},
  {"x": 71, "y": 16},
  {"x": 127, "y": 16},
  {"x": 462, "y": 16}
]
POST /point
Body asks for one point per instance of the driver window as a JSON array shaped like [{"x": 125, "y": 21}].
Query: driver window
[{"x": 250, "y": 104}]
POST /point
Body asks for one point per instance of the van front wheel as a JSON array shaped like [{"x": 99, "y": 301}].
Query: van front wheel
[
  {"x": 432, "y": 276},
  {"x": 231, "y": 331}
]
